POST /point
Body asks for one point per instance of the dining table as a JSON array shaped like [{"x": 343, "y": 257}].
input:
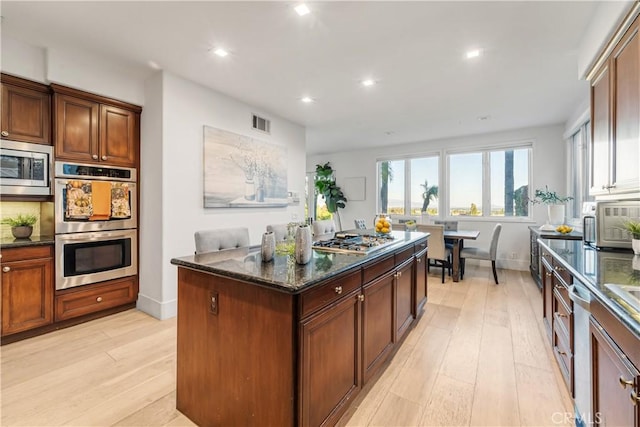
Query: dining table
[{"x": 457, "y": 237}]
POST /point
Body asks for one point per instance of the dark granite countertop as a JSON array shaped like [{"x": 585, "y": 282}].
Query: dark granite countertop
[
  {"x": 283, "y": 274},
  {"x": 595, "y": 269},
  {"x": 574, "y": 235},
  {"x": 31, "y": 241}
]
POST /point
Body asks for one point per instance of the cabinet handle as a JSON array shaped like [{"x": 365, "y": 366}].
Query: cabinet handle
[
  {"x": 562, "y": 353},
  {"x": 94, "y": 157},
  {"x": 104, "y": 157},
  {"x": 548, "y": 274},
  {"x": 399, "y": 274},
  {"x": 624, "y": 383},
  {"x": 558, "y": 268},
  {"x": 419, "y": 259},
  {"x": 6, "y": 269},
  {"x": 338, "y": 289},
  {"x": 361, "y": 297},
  {"x": 5, "y": 133},
  {"x": 99, "y": 299},
  {"x": 634, "y": 398},
  {"x": 561, "y": 315}
]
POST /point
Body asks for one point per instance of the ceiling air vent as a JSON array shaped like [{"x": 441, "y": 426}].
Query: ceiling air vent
[{"x": 261, "y": 124}]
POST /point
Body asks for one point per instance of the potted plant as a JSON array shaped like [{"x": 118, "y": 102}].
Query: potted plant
[
  {"x": 21, "y": 225},
  {"x": 555, "y": 206},
  {"x": 633, "y": 228},
  {"x": 326, "y": 185}
]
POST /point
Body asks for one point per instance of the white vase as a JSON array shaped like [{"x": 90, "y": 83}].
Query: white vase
[
  {"x": 555, "y": 214},
  {"x": 635, "y": 244},
  {"x": 268, "y": 247},
  {"x": 303, "y": 244}
]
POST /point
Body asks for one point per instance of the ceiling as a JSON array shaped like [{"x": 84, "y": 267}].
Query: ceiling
[{"x": 426, "y": 89}]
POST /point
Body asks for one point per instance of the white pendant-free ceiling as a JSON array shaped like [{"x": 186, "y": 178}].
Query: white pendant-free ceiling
[{"x": 415, "y": 52}]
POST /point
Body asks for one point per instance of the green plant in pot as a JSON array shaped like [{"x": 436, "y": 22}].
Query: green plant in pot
[
  {"x": 21, "y": 225},
  {"x": 633, "y": 228},
  {"x": 555, "y": 206},
  {"x": 326, "y": 185}
]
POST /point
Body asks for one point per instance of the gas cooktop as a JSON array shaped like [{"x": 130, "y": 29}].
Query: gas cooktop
[{"x": 353, "y": 243}]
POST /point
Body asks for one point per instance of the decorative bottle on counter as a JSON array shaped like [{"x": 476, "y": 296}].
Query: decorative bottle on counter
[
  {"x": 303, "y": 244},
  {"x": 268, "y": 247}
]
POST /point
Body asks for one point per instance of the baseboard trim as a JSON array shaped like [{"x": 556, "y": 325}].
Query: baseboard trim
[{"x": 161, "y": 310}]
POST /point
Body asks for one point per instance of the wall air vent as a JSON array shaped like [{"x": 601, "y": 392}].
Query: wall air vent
[{"x": 261, "y": 124}]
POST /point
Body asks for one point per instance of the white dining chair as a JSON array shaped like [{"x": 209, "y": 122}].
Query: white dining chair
[
  {"x": 220, "y": 239},
  {"x": 279, "y": 231},
  {"x": 488, "y": 254},
  {"x": 324, "y": 229},
  {"x": 437, "y": 251}
]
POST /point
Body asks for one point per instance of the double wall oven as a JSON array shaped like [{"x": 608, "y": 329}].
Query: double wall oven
[{"x": 95, "y": 223}]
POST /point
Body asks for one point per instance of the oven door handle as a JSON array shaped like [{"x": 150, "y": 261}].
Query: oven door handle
[
  {"x": 96, "y": 236},
  {"x": 576, "y": 298}
]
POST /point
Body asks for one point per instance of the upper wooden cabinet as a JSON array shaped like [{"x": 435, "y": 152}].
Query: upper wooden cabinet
[
  {"x": 93, "y": 129},
  {"x": 26, "y": 111},
  {"x": 615, "y": 118}
]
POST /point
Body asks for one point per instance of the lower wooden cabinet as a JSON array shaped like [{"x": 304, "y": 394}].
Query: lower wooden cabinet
[
  {"x": 404, "y": 295},
  {"x": 83, "y": 300},
  {"x": 330, "y": 361},
  {"x": 421, "y": 282},
  {"x": 27, "y": 288},
  {"x": 615, "y": 382},
  {"x": 377, "y": 321}
]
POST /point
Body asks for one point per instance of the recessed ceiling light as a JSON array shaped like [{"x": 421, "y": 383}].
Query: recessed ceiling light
[
  {"x": 221, "y": 52},
  {"x": 368, "y": 82},
  {"x": 302, "y": 9},
  {"x": 473, "y": 53},
  {"x": 306, "y": 99}
]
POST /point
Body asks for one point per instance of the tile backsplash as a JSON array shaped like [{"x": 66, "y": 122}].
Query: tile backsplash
[{"x": 11, "y": 209}]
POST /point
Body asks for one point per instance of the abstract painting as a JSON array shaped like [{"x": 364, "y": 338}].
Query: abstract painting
[{"x": 243, "y": 172}]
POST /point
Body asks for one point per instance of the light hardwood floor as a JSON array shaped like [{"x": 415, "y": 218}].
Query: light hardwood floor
[{"x": 478, "y": 357}]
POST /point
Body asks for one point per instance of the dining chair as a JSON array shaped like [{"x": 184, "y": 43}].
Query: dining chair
[
  {"x": 483, "y": 253},
  {"x": 360, "y": 223},
  {"x": 279, "y": 231},
  {"x": 324, "y": 229},
  {"x": 437, "y": 251},
  {"x": 219, "y": 239}
]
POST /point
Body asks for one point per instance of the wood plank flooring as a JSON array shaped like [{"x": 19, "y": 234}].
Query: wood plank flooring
[{"x": 478, "y": 357}]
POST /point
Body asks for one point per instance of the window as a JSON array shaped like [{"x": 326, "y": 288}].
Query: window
[
  {"x": 578, "y": 171},
  {"x": 409, "y": 186},
  {"x": 492, "y": 182}
]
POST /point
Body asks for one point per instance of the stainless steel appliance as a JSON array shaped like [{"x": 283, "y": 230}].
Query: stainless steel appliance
[
  {"x": 353, "y": 243},
  {"x": 581, "y": 298},
  {"x": 84, "y": 258},
  {"x": 66, "y": 172},
  {"x": 93, "y": 248},
  {"x": 25, "y": 168},
  {"x": 603, "y": 230}
]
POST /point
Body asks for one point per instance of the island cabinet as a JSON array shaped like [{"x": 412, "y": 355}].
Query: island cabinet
[
  {"x": 615, "y": 379},
  {"x": 558, "y": 315},
  {"x": 26, "y": 110},
  {"x": 93, "y": 129},
  {"x": 249, "y": 354},
  {"x": 421, "y": 280},
  {"x": 615, "y": 114},
  {"x": 27, "y": 288}
]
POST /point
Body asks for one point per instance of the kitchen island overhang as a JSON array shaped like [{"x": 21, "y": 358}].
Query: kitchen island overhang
[{"x": 285, "y": 344}]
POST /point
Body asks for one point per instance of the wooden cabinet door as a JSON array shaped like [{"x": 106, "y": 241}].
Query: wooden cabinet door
[
  {"x": 118, "y": 141},
  {"x": 614, "y": 383},
  {"x": 600, "y": 131},
  {"x": 76, "y": 129},
  {"x": 625, "y": 67},
  {"x": 330, "y": 362},
  {"x": 377, "y": 322},
  {"x": 403, "y": 299},
  {"x": 26, "y": 114},
  {"x": 421, "y": 282},
  {"x": 547, "y": 296},
  {"x": 27, "y": 295}
]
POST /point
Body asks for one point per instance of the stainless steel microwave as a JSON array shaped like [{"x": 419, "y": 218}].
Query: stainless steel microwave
[
  {"x": 603, "y": 229},
  {"x": 25, "y": 168}
]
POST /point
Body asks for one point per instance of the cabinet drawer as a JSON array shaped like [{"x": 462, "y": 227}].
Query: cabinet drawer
[
  {"x": 96, "y": 298},
  {"x": 403, "y": 255},
  {"x": 562, "y": 272},
  {"x": 546, "y": 256},
  {"x": 377, "y": 268},
  {"x": 564, "y": 357},
  {"x": 328, "y": 293},
  {"x": 562, "y": 318},
  {"x": 25, "y": 253},
  {"x": 562, "y": 290},
  {"x": 421, "y": 245}
]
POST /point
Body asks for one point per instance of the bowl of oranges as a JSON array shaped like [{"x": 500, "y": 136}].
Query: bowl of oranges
[
  {"x": 383, "y": 224},
  {"x": 564, "y": 229}
]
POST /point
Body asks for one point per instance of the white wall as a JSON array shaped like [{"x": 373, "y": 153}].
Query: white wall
[{"x": 548, "y": 169}]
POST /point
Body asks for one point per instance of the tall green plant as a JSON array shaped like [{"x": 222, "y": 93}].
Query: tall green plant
[
  {"x": 386, "y": 175},
  {"x": 326, "y": 186},
  {"x": 429, "y": 194}
]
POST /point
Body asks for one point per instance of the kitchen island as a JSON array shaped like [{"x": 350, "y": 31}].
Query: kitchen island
[{"x": 277, "y": 343}]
